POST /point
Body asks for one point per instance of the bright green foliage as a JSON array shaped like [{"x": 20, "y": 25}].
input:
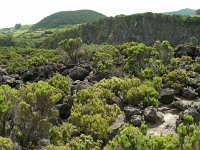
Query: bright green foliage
[
  {"x": 84, "y": 96},
  {"x": 52, "y": 147},
  {"x": 36, "y": 107},
  {"x": 147, "y": 95},
  {"x": 175, "y": 79},
  {"x": 119, "y": 86},
  {"x": 41, "y": 95},
  {"x": 129, "y": 138},
  {"x": 104, "y": 59},
  {"x": 60, "y": 135},
  {"x": 6, "y": 144},
  {"x": 165, "y": 51},
  {"x": 143, "y": 129},
  {"x": 37, "y": 61},
  {"x": 188, "y": 119},
  {"x": 60, "y": 82},
  {"x": 161, "y": 142},
  {"x": 8, "y": 102},
  {"x": 147, "y": 73},
  {"x": 175, "y": 62},
  {"x": 157, "y": 67},
  {"x": 196, "y": 65},
  {"x": 72, "y": 48},
  {"x": 138, "y": 58},
  {"x": 156, "y": 83},
  {"x": 94, "y": 117},
  {"x": 84, "y": 142}
]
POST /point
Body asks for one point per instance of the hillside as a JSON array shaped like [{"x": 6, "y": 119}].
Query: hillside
[
  {"x": 185, "y": 11},
  {"x": 145, "y": 28},
  {"x": 68, "y": 18}
]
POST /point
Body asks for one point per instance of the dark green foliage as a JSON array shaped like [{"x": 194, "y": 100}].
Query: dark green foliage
[
  {"x": 72, "y": 48},
  {"x": 7, "y": 40},
  {"x": 18, "y": 26},
  {"x": 198, "y": 12},
  {"x": 68, "y": 18},
  {"x": 149, "y": 27}
]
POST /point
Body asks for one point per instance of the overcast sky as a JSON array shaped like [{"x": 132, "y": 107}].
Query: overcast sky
[{"x": 32, "y": 11}]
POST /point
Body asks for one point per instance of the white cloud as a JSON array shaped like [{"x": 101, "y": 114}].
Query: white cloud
[{"x": 32, "y": 11}]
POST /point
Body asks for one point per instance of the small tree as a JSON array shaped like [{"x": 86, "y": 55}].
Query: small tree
[
  {"x": 72, "y": 48},
  {"x": 18, "y": 26}
]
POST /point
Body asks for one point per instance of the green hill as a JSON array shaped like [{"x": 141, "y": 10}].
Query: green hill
[
  {"x": 68, "y": 18},
  {"x": 185, "y": 11}
]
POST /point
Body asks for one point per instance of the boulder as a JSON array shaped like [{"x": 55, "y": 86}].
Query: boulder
[
  {"x": 188, "y": 93},
  {"x": 78, "y": 73},
  {"x": 136, "y": 120},
  {"x": 152, "y": 116},
  {"x": 180, "y": 105},
  {"x": 194, "y": 83},
  {"x": 166, "y": 96},
  {"x": 65, "y": 108},
  {"x": 3, "y": 72},
  {"x": 198, "y": 91},
  {"x": 115, "y": 100},
  {"x": 120, "y": 121},
  {"x": 186, "y": 50},
  {"x": 130, "y": 110}
]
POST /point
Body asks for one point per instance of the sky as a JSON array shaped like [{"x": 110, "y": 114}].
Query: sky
[{"x": 32, "y": 11}]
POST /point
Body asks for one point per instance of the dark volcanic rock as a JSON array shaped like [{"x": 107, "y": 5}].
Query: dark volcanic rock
[
  {"x": 186, "y": 50},
  {"x": 166, "y": 96},
  {"x": 189, "y": 93},
  {"x": 180, "y": 105},
  {"x": 136, "y": 120},
  {"x": 152, "y": 116},
  {"x": 194, "y": 83},
  {"x": 130, "y": 110},
  {"x": 3, "y": 72},
  {"x": 78, "y": 73}
]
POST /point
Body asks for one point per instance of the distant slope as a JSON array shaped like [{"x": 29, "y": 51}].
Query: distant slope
[
  {"x": 68, "y": 18},
  {"x": 185, "y": 11},
  {"x": 145, "y": 28}
]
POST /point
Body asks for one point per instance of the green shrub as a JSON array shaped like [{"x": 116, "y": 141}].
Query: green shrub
[
  {"x": 37, "y": 61},
  {"x": 52, "y": 147},
  {"x": 169, "y": 142},
  {"x": 128, "y": 138},
  {"x": 84, "y": 142},
  {"x": 94, "y": 117},
  {"x": 6, "y": 144},
  {"x": 60, "y": 135},
  {"x": 60, "y": 82},
  {"x": 175, "y": 79},
  {"x": 36, "y": 108},
  {"x": 8, "y": 104}
]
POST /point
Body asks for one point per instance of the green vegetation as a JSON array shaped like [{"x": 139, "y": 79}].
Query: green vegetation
[
  {"x": 185, "y": 11},
  {"x": 43, "y": 107},
  {"x": 68, "y": 18}
]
